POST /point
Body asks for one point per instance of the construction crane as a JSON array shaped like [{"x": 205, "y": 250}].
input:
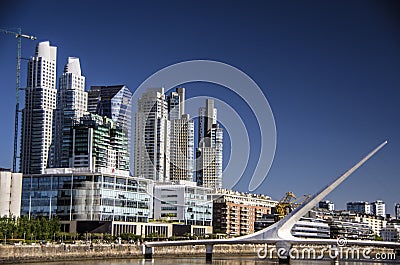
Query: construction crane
[
  {"x": 288, "y": 203},
  {"x": 19, "y": 37}
]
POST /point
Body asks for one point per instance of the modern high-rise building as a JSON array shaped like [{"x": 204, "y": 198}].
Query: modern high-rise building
[
  {"x": 397, "y": 211},
  {"x": 359, "y": 207},
  {"x": 99, "y": 142},
  {"x": 71, "y": 105},
  {"x": 207, "y": 117},
  {"x": 378, "y": 208},
  {"x": 182, "y": 149},
  {"x": 152, "y": 133},
  {"x": 37, "y": 116},
  {"x": 114, "y": 102},
  {"x": 176, "y": 104},
  {"x": 181, "y": 138},
  {"x": 209, "y": 150}
]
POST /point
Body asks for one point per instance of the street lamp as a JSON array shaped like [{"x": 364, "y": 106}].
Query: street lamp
[{"x": 5, "y": 237}]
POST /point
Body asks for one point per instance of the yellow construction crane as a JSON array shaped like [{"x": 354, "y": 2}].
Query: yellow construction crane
[
  {"x": 19, "y": 36},
  {"x": 288, "y": 203}
]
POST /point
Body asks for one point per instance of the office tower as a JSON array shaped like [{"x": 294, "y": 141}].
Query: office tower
[
  {"x": 99, "y": 142},
  {"x": 359, "y": 207},
  {"x": 378, "y": 208},
  {"x": 181, "y": 138},
  {"x": 182, "y": 149},
  {"x": 71, "y": 105},
  {"x": 207, "y": 117},
  {"x": 209, "y": 150},
  {"x": 397, "y": 211},
  {"x": 176, "y": 104},
  {"x": 152, "y": 129},
  {"x": 37, "y": 116},
  {"x": 114, "y": 102}
]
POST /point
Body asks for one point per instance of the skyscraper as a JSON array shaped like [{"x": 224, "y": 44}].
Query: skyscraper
[
  {"x": 37, "y": 116},
  {"x": 181, "y": 138},
  {"x": 209, "y": 150},
  {"x": 71, "y": 105},
  {"x": 182, "y": 149},
  {"x": 207, "y": 117},
  {"x": 114, "y": 102},
  {"x": 176, "y": 104},
  {"x": 152, "y": 133},
  {"x": 99, "y": 142}
]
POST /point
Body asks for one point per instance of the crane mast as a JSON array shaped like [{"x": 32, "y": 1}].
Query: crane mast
[{"x": 19, "y": 37}]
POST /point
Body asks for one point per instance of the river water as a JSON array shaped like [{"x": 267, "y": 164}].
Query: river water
[{"x": 201, "y": 261}]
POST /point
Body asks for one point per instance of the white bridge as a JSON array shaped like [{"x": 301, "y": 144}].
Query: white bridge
[{"x": 280, "y": 232}]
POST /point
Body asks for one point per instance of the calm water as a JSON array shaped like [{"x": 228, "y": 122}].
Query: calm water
[{"x": 201, "y": 261}]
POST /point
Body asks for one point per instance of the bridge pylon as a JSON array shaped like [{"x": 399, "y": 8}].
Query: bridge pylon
[{"x": 280, "y": 232}]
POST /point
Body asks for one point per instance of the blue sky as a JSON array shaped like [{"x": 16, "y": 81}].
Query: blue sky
[{"x": 329, "y": 69}]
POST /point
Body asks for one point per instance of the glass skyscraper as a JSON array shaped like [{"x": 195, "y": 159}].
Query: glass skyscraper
[
  {"x": 152, "y": 129},
  {"x": 181, "y": 138},
  {"x": 209, "y": 150},
  {"x": 114, "y": 102},
  {"x": 164, "y": 137},
  {"x": 99, "y": 142}
]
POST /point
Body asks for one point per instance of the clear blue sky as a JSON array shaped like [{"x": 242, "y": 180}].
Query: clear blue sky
[{"x": 330, "y": 70}]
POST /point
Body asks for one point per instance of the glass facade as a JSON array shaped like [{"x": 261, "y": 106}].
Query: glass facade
[
  {"x": 183, "y": 202},
  {"x": 198, "y": 206},
  {"x": 99, "y": 142},
  {"x": 87, "y": 196},
  {"x": 210, "y": 146},
  {"x": 152, "y": 129},
  {"x": 114, "y": 102}
]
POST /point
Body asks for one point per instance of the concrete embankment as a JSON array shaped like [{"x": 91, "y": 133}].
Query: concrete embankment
[
  {"x": 40, "y": 253},
  {"x": 29, "y": 253}
]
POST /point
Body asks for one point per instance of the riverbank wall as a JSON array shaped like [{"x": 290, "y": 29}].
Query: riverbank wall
[
  {"x": 52, "y": 252},
  {"x": 69, "y": 252}
]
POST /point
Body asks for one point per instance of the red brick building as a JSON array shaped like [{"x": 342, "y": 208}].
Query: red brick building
[{"x": 234, "y": 213}]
